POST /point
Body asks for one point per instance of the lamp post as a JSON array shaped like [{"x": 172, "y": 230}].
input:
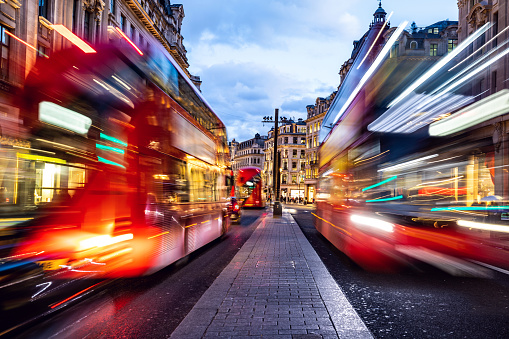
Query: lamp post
[
  {"x": 277, "y": 209},
  {"x": 300, "y": 179}
]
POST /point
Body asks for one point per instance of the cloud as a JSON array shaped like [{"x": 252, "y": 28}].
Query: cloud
[{"x": 254, "y": 56}]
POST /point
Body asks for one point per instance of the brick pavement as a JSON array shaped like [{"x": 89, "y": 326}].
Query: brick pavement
[{"x": 275, "y": 287}]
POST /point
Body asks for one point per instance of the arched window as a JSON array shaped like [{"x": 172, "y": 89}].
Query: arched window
[{"x": 413, "y": 45}]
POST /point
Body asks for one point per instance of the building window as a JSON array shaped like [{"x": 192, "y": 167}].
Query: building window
[
  {"x": 294, "y": 179},
  {"x": 435, "y": 30},
  {"x": 294, "y": 152},
  {"x": 294, "y": 140},
  {"x": 75, "y": 9},
  {"x": 430, "y": 30},
  {"x": 303, "y": 141},
  {"x": 451, "y": 44},
  {"x": 413, "y": 45},
  {"x": 294, "y": 165},
  {"x": 122, "y": 22},
  {"x": 44, "y": 8},
  {"x": 87, "y": 27},
  {"x": 394, "y": 50},
  {"x": 286, "y": 140},
  {"x": 284, "y": 180},
  {"x": 4, "y": 53},
  {"x": 113, "y": 6},
  {"x": 493, "y": 81},
  {"x": 302, "y": 154},
  {"x": 41, "y": 51},
  {"x": 133, "y": 32},
  {"x": 495, "y": 29},
  {"x": 433, "y": 49}
]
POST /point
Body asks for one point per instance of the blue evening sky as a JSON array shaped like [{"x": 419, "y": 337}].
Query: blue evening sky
[{"x": 254, "y": 56}]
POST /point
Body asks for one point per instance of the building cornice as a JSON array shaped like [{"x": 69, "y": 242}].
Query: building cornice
[{"x": 151, "y": 27}]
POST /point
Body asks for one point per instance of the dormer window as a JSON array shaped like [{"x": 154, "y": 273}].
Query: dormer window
[{"x": 413, "y": 45}]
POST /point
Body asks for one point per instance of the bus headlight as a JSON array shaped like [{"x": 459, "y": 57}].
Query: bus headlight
[
  {"x": 103, "y": 240},
  {"x": 375, "y": 224}
]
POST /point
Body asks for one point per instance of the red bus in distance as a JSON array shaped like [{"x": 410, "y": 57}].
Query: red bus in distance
[{"x": 249, "y": 187}]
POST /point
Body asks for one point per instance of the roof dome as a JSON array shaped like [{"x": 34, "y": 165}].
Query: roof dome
[{"x": 379, "y": 15}]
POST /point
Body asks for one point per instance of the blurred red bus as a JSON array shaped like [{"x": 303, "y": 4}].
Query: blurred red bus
[
  {"x": 126, "y": 166},
  {"x": 249, "y": 187},
  {"x": 397, "y": 187}
]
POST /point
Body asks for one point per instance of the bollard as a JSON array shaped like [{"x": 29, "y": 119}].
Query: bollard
[{"x": 278, "y": 209}]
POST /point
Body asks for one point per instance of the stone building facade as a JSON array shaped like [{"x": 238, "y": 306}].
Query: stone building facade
[
  {"x": 248, "y": 153},
  {"x": 27, "y": 34},
  {"x": 315, "y": 115},
  {"x": 473, "y": 14},
  {"x": 292, "y": 150}
]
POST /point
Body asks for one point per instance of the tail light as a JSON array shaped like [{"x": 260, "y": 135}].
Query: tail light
[{"x": 236, "y": 207}]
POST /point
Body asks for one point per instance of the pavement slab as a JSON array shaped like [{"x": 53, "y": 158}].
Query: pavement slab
[{"x": 276, "y": 286}]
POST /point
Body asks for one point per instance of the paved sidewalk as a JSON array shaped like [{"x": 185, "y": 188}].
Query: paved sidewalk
[{"x": 275, "y": 287}]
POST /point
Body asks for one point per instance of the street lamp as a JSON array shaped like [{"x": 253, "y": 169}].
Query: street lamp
[
  {"x": 300, "y": 179},
  {"x": 278, "y": 210}
]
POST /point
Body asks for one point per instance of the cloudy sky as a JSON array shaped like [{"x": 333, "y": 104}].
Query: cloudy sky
[{"x": 255, "y": 56}]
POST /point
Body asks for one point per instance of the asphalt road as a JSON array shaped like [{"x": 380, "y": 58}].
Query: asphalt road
[
  {"x": 423, "y": 303},
  {"x": 148, "y": 307}
]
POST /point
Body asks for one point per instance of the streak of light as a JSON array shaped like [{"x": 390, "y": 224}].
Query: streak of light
[
  {"x": 469, "y": 67},
  {"x": 371, "y": 158},
  {"x": 480, "y": 48},
  {"x": 121, "y": 82},
  {"x": 372, "y": 222},
  {"x": 129, "y": 41},
  {"x": 440, "y": 181},
  {"x": 483, "y": 226},
  {"x": 475, "y": 71},
  {"x": 25, "y": 43},
  {"x": 74, "y": 295},
  {"x": 386, "y": 199},
  {"x": 480, "y": 111},
  {"x": 109, "y": 162},
  {"x": 115, "y": 254},
  {"x": 372, "y": 68},
  {"x": 23, "y": 255},
  {"x": 109, "y": 148},
  {"x": 158, "y": 235},
  {"x": 103, "y": 240},
  {"x": 328, "y": 222},
  {"x": 374, "y": 41},
  {"x": 469, "y": 208},
  {"x": 380, "y": 183},
  {"x": 407, "y": 164},
  {"x": 501, "y": 270},
  {"x": 66, "y": 33},
  {"x": 440, "y": 64},
  {"x": 48, "y": 284}
]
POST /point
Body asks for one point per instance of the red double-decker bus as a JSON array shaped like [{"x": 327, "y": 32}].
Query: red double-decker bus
[
  {"x": 126, "y": 169},
  {"x": 249, "y": 187}
]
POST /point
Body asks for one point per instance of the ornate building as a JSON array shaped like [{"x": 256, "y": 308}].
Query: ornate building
[
  {"x": 27, "y": 32},
  {"x": 292, "y": 150},
  {"x": 315, "y": 115},
  {"x": 432, "y": 42},
  {"x": 473, "y": 14},
  {"x": 247, "y": 153}
]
